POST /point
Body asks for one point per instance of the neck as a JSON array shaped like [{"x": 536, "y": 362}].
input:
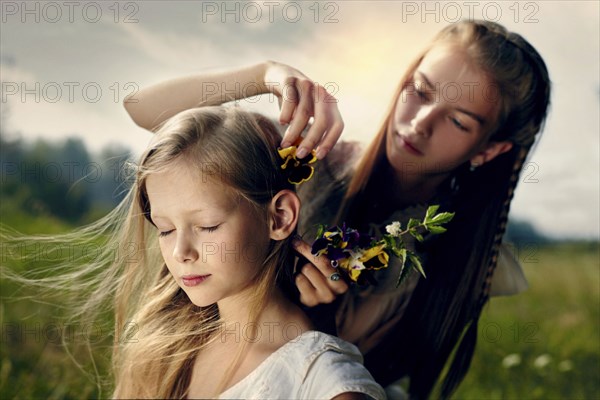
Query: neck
[
  {"x": 406, "y": 188},
  {"x": 278, "y": 312}
]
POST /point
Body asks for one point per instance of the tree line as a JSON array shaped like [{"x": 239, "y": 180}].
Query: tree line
[{"x": 63, "y": 179}]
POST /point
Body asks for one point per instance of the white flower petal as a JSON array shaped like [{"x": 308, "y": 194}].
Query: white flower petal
[
  {"x": 511, "y": 360},
  {"x": 393, "y": 228},
  {"x": 542, "y": 361}
]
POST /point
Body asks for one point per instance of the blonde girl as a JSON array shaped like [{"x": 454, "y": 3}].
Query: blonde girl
[
  {"x": 200, "y": 307},
  {"x": 464, "y": 151}
]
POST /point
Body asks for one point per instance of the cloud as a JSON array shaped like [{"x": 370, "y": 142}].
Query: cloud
[
  {"x": 13, "y": 73},
  {"x": 362, "y": 56}
]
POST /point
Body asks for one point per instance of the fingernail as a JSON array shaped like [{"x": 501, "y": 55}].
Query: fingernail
[
  {"x": 285, "y": 143},
  {"x": 301, "y": 153},
  {"x": 321, "y": 153}
]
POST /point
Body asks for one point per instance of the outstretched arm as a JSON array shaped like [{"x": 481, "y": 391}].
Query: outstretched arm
[{"x": 300, "y": 99}]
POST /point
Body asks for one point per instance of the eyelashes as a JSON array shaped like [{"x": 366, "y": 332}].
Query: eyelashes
[
  {"x": 208, "y": 229},
  {"x": 460, "y": 126},
  {"x": 166, "y": 233},
  {"x": 424, "y": 96}
]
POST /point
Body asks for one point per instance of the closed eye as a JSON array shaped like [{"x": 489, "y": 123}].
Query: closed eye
[
  {"x": 457, "y": 123},
  {"x": 422, "y": 92},
  {"x": 210, "y": 228},
  {"x": 166, "y": 233},
  {"x": 422, "y": 89}
]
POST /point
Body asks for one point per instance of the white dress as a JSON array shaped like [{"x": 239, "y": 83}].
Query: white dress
[{"x": 314, "y": 365}]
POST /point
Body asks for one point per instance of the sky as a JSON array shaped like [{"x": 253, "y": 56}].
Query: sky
[{"x": 65, "y": 68}]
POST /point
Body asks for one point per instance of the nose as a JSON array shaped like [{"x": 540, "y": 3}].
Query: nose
[
  {"x": 422, "y": 123},
  {"x": 184, "y": 250}
]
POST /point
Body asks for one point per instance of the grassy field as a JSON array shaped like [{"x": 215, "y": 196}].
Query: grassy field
[
  {"x": 542, "y": 344},
  {"x": 545, "y": 342}
]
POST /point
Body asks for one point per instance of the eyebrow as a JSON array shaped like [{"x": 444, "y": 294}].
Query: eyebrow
[
  {"x": 476, "y": 117},
  {"x": 152, "y": 215},
  {"x": 471, "y": 114},
  {"x": 425, "y": 79}
]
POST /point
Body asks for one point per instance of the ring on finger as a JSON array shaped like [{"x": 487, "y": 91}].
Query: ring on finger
[
  {"x": 334, "y": 263},
  {"x": 335, "y": 277}
]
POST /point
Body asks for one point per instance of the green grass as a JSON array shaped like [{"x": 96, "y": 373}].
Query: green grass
[
  {"x": 33, "y": 360},
  {"x": 556, "y": 322},
  {"x": 557, "y": 319}
]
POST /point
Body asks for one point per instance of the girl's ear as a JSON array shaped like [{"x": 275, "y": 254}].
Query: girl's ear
[
  {"x": 491, "y": 151},
  {"x": 283, "y": 214}
]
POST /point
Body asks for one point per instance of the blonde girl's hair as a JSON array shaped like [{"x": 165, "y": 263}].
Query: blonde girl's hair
[
  {"x": 444, "y": 308},
  {"x": 157, "y": 330}
]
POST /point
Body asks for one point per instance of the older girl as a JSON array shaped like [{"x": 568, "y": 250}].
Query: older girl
[{"x": 463, "y": 151}]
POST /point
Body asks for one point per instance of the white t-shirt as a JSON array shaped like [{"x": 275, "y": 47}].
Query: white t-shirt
[{"x": 312, "y": 366}]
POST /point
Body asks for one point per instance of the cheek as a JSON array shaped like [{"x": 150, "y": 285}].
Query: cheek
[
  {"x": 456, "y": 151},
  {"x": 253, "y": 247},
  {"x": 253, "y": 253},
  {"x": 165, "y": 249},
  {"x": 248, "y": 250},
  {"x": 406, "y": 109},
  {"x": 170, "y": 268}
]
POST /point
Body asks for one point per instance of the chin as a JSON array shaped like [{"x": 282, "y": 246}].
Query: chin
[
  {"x": 392, "y": 155},
  {"x": 200, "y": 300}
]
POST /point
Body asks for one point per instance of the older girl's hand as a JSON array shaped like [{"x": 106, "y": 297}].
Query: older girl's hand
[
  {"x": 313, "y": 280},
  {"x": 300, "y": 99}
]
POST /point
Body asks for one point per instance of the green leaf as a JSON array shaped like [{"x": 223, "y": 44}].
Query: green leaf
[
  {"x": 412, "y": 223},
  {"x": 442, "y": 218},
  {"x": 402, "y": 255},
  {"x": 431, "y": 210},
  {"x": 416, "y": 263},
  {"x": 403, "y": 274},
  {"x": 404, "y": 269},
  {"x": 389, "y": 242},
  {"x": 436, "y": 229},
  {"x": 320, "y": 230},
  {"x": 417, "y": 235}
]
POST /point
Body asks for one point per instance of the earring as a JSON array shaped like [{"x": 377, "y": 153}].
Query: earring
[{"x": 473, "y": 166}]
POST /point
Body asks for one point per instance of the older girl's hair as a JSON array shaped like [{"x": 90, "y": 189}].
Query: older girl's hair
[
  {"x": 158, "y": 331},
  {"x": 445, "y": 308}
]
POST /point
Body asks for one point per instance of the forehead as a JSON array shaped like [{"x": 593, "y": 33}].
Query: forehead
[
  {"x": 181, "y": 187},
  {"x": 459, "y": 80}
]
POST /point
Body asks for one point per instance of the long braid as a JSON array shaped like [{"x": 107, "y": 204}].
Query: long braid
[
  {"x": 503, "y": 220},
  {"x": 538, "y": 105},
  {"x": 520, "y": 125}
]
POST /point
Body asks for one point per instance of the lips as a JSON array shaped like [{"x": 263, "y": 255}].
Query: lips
[
  {"x": 193, "y": 280},
  {"x": 408, "y": 145}
]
